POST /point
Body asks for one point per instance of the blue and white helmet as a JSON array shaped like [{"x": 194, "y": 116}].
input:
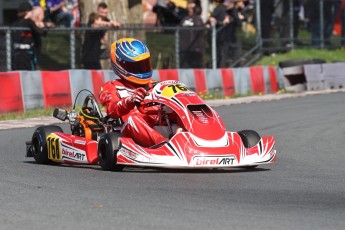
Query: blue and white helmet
[{"x": 131, "y": 60}]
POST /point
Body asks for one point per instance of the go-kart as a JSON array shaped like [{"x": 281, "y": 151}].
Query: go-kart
[{"x": 198, "y": 140}]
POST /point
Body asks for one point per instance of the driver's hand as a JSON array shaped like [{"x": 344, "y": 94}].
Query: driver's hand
[{"x": 138, "y": 95}]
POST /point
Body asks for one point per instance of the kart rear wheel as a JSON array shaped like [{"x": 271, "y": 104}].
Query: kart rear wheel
[
  {"x": 39, "y": 143},
  {"x": 250, "y": 138},
  {"x": 108, "y": 146}
]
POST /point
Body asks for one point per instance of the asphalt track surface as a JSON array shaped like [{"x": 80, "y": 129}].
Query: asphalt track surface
[{"x": 304, "y": 189}]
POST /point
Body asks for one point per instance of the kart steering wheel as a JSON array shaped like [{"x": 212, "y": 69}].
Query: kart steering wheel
[{"x": 148, "y": 107}]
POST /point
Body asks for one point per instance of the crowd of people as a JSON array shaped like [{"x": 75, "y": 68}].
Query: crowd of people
[
  {"x": 275, "y": 24},
  {"x": 228, "y": 16},
  {"x": 38, "y": 15}
]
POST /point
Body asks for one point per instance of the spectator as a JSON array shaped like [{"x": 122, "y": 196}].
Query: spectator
[
  {"x": 42, "y": 3},
  {"x": 102, "y": 10},
  {"x": 58, "y": 13},
  {"x": 266, "y": 11},
  {"x": 192, "y": 41},
  {"x": 168, "y": 14},
  {"x": 220, "y": 18},
  {"x": 285, "y": 25},
  {"x": 315, "y": 24},
  {"x": 26, "y": 43},
  {"x": 92, "y": 42},
  {"x": 37, "y": 17},
  {"x": 235, "y": 11}
]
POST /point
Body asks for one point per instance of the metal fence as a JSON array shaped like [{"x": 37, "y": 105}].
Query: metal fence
[{"x": 62, "y": 47}]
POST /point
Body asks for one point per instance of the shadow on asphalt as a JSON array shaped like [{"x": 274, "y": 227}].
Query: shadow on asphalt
[{"x": 160, "y": 170}]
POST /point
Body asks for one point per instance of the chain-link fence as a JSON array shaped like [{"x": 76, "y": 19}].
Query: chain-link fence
[
  {"x": 284, "y": 25},
  {"x": 291, "y": 24}
]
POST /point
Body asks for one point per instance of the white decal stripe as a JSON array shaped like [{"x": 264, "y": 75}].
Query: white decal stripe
[
  {"x": 223, "y": 141},
  {"x": 179, "y": 149},
  {"x": 173, "y": 150},
  {"x": 131, "y": 123},
  {"x": 267, "y": 151}
]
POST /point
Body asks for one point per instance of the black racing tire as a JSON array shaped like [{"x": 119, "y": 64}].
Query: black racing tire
[
  {"x": 39, "y": 143},
  {"x": 250, "y": 138},
  {"x": 108, "y": 146}
]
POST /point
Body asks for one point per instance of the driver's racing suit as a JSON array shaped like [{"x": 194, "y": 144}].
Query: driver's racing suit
[{"x": 115, "y": 96}]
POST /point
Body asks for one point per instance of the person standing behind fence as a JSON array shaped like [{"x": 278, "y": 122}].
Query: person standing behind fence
[
  {"x": 220, "y": 18},
  {"x": 267, "y": 9},
  {"x": 315, "y": 23},
  {"x": 38, "y": 18},
  {"x": 103, "y": 11},
  {"x": 237, "y": 17},
  {"x": 93, "y": 40},
  {"x": 192, "y": 41},
  {"x": 25, "y": 42}
]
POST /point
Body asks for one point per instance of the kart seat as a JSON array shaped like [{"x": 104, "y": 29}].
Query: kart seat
[{"x": 164, "y": 130}]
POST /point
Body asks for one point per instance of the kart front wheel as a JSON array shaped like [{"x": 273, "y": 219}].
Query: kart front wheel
[
  {"x": 108, "y": 146},
  {"x": 39, "y": 148},
  {"x": 250, "y": 138}
]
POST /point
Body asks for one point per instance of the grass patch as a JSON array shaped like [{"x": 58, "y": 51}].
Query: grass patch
[
  {"x": 28, "y": 114},
  {"x": 337, "y": 55}
]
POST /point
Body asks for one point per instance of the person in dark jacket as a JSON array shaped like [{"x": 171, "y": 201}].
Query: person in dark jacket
[
  {"x": 237, "y": 17},
  {"x": 25, "y": 42},
  {"x": 192, "y": 40},
  {"x": 266, "y": 11},
  {"x": 220, "y": 18},
  {"x": 93, "y": 41}
]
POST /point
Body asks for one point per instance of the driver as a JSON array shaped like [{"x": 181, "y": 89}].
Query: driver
[{"x": 130, "y": 60}]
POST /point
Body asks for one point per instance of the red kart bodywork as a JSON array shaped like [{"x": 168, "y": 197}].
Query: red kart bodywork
[{"x": 202, "y": 141}]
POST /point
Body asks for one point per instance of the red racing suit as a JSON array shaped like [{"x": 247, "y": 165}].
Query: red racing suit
[{"x": 115, "y": 96}]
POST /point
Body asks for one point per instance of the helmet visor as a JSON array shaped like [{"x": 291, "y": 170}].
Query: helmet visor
[{"x": 138, "y": 67}]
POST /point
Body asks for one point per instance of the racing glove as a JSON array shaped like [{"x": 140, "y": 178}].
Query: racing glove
[{"x": 137, "y": 97}]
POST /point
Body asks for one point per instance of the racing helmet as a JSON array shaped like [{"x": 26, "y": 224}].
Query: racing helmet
[{"x": 131, "y": 60}]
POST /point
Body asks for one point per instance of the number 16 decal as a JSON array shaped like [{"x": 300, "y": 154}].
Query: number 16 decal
[{"x": 53, "y": 145}]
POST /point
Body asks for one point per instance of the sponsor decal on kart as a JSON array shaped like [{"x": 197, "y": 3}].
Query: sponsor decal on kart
[
  {"x": 127, "y": 153},
  {"x": 74, "y": 155},
  {"x": 169, "y": 82},
  {"x": 218, "y": 161},
  {"x": 60, "y": 152},
  {"x": 170, "y": 90},
  {"x": 80, "y": 142}
]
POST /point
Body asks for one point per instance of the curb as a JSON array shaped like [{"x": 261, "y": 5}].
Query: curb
[{"x": 32, "y": 122}]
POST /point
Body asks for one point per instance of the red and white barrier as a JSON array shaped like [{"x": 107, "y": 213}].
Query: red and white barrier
[
  {"x": 11, "y": 98},
  {"x": 24, "y": 90}
]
